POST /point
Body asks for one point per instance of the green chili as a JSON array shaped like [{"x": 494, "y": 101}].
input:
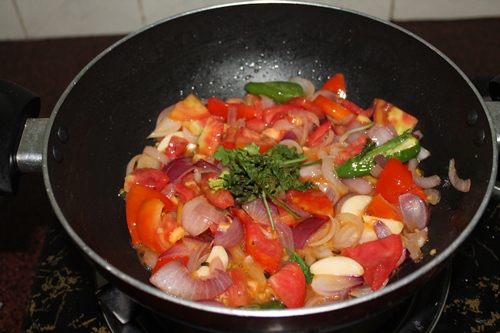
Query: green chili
[
  {"x": 403, "y": 148},
  {"x": 280, "y": 91}
]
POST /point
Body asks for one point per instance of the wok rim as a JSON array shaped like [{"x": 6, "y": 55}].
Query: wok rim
[{"x": 434, "y": 264}]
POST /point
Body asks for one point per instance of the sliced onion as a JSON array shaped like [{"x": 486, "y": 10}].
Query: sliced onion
[
  {"x": 462, "y": 185},
  {"x": 164, "y": 113},
  {"x": 361, "y": 291},
  {"x": 324, "y": 234},
  {"x": 304, "y": 230},
  {"x": 350, "y": 232},
  {"x": 415, "y": 211},
  {"x": 229, "y": 234},
  {"x": 285, "y": 234},
  {"x": 423, "y": 182},
  {"x": 165, "y": 127},
  {"x": 177, "y": 168},
  {"x": 175, "y": 279},
  {"x": 154, "y": 153},
  {"x": 198, "y": 257},
  {"x": 433, "y": 196},
  {"x": 332, "y": 285},
  {"x": 380, "y": 134},
  {"x": 147, "y": 257},
  {"x": 205, "y": 166},
  {"x": 257, "y": 210},
  {"x": 414, "y": 241},
  {"x": 310, "y": 171},
  {"x": 176, "y": 251},
  {"x": 198, "y": 214},
  {"x": 307, "y": 86},
  {"x": 381, "y": 229},
  {"x": 423, "y": 154},
  {"x": 358, "y": 185},
  {"x": 292, "y": 143}
]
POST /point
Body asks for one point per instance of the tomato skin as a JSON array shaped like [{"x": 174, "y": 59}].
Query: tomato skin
[
  {"x": 336, "y": 84},
  {"x": 316, "y": 137},
  {"x": 352, "y": 149},
  {"x": 380, "y": 207},
  {"x": 395, "y": 180},
  {"x": 221, "y": 108},
  {"x": 222, "y": 199},
  {"x": 289, "y": 285},
  {"x": 211, "y": 136},
  {"x": 308, "y": 105},
  {"x": 378, "y": 258},
  {"x": 267, "y": 252},
  {"x": 237, "y": 293},
  {"x": 153, "y": 229},
  {"x": 245, "y": 136},
  {"x": 312, "y": 200},
  {"x": 133, "y": 202},
  {"x": 176, "y": 147},
  {"x": 150, "y": 177},
  {"x": 191, "y": 108},
  {"x": 332, "y": 108}
]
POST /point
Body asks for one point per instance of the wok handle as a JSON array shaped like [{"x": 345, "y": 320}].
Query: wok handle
[{"x": 17, "y": 104}]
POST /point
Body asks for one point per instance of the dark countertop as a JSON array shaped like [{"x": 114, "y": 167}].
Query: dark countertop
[{"x": 48, "y": 66}]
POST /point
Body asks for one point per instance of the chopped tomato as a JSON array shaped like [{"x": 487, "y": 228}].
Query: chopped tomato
[
  {"x": 289, "y": 285},
  {"x": 257, "y": 125},
  {"x": 385, "y": 113},
  {"x": 394, "y": 180},
  {"x": 336, "y": 84},
  {"x": 312, "y": 200},
  {"x": 150, "y": 177},
  {"x": 221, "y": 108},
  {"x": 286, "y": 217},
  {"x": 237, "y": 293},
  {"x": 245, "y": 136},
  {"x": 380, "y": 207},
  {"x": 211, "y": 136},
  {"x": 308, "y": 105},
  {"x": 378, "y": 258},
  {"x": 219, "y": 198},
  {"x": 153, "y": 228},
  {"x": 176, "y": 147},
  {"x": 332, "y": 108},
  {"x": 133, "y": 202},
  {"x": 354, "y": 148},
  {"x": 280, "y": 111},
  {"x": 318, "y": 136},
  {"x": 265, "y": 249},
  {"x": 191, "y": 108},
  {"x": 354, "y": 108},
  {"x": 185, "y": 192}
]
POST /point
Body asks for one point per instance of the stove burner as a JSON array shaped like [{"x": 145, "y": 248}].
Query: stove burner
[{"x": 419, "y": 313}]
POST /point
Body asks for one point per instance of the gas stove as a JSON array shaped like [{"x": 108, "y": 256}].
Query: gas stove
[{"x": 70, "y": 296}]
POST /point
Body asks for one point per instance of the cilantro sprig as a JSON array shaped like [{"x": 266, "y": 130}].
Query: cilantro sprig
[{"x": 253, "y": 175}]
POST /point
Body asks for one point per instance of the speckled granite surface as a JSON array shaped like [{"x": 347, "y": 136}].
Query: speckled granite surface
[{"x": 47, "y": 67}]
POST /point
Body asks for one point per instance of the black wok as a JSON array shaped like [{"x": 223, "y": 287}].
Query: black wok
[{"x": 104, "y": 116}]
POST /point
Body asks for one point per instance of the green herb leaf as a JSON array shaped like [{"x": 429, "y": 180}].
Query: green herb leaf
[
  {"x": 294, "y": 257},
  {"x": 254, "y": 175}
]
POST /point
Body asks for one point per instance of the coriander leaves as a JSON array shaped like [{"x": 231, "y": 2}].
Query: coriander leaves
[{"x": 253, "y": 175}]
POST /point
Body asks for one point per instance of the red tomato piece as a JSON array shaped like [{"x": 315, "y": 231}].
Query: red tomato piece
[
  {"x": 332, "y": 108},
  {"x": 245, "y": 136},
  {"x": 280, "y": 111},
  {"x": 265, "y": 250},
  {"x": 176, "y": 147},
  {"x": 394, "y": 180},
  {"x": 378, "y": 258},
  {"x": 221, "y": 108},
  {"x": 211, "y": 136},
  {"x": 153, "y": 228},
  {"x": 133, "y": 202},
  {"x": 308, "y": 105},
  {"x": 289, "y": 285},
  {"x": 336, "y": 84},
  {"x": 354, "y": 148},
  {"x": 184, "y": 192},
  {"x": 237, "y": 293},
  {"x": 354, "y": 108},
  {"x": 150, "y": 177},
  {"x": 318, "y": 136},
  {"x": 191, "y": 108},
  {"x": 312, "y": 200},
  {"x": 219, "y": 198},
  {"x": 380, "y": 207}
]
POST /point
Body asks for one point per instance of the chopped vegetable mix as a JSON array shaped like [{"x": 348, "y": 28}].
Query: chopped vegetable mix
[{"x": 277, "y": 200}]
